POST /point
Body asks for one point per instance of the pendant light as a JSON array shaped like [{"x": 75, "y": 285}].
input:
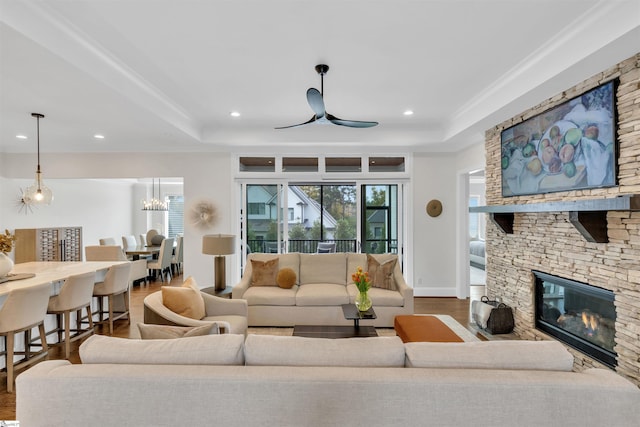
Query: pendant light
[
  {"x": 155, "y": 204},
  {"x": 38, "y": 193}
]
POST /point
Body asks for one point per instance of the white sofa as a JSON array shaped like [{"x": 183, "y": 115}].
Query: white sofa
[
  {"x": 323, "y": 285},
  {"x": 294, "y": 381}
]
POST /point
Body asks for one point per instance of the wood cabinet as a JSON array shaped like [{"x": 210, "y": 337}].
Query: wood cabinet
[{"x": 48, "y": 244}]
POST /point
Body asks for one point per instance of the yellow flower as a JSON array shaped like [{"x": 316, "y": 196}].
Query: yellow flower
[
  {"x": 361, "y": 279},
  {"x": 6, "y": 242}
]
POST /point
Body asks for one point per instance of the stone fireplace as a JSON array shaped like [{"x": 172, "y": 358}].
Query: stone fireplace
[
  {"x": 553, "y": 242},
  {"x": 578, "y": 314}
]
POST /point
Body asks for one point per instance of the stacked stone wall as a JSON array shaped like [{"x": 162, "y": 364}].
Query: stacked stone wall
[{"x": 548, "y": 242}]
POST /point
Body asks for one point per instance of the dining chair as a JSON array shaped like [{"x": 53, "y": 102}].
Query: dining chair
[
  {"x": 142, "y": 239},
  {"x": 114, "y": 253},
  {"x": 23, "y": 309},
  {"x": 164, "y": 259},
  {"x": 150, "y": 234},
  {"x": 116, "y": 282},
  {"x": 129, "y": 242},
  {"x": 178, "y": 257},
  {"x": 108, "y": 241},
  {"x": 75, "y": 294}
]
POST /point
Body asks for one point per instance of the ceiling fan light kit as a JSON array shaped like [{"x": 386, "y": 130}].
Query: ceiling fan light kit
[{"x": 315, "y": 98}]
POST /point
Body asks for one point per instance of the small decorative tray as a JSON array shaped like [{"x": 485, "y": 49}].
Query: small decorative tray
[{"x": 11, "y": 277}]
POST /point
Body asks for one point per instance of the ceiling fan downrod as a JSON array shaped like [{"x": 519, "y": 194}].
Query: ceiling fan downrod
[{"x": 322, "y": 70}]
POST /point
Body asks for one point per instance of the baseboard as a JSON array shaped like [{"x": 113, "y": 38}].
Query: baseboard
[{"x": 434, "y": 292}]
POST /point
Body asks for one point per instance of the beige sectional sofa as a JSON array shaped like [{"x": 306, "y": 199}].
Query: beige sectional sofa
[
  {"x": 228, "y": 381},
  {"x": 323, "y": 284}
]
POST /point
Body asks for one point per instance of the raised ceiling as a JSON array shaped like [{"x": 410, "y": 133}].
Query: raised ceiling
[{"x": 165, "y": 75}]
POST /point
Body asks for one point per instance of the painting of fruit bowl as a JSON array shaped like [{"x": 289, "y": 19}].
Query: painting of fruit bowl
[{"x": 571, "y": 146}]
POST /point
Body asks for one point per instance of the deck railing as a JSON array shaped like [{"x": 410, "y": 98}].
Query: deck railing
[{"x": 310, "y": 246}]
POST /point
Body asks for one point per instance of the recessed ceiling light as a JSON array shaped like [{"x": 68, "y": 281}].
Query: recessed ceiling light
[
  {"x": 98, "y": 136},
  {"x": 234, "y": 114},
  {"x": 21, "y": 136},
  {"x": 408, "y": 113}
]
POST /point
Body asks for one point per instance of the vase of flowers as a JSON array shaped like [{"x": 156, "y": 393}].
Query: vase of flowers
[
  {"x": 361, "y": 279},
  {"x": 6, "y": 245}
]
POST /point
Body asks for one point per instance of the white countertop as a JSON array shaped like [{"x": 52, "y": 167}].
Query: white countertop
[{"x": 52, "y": 272}]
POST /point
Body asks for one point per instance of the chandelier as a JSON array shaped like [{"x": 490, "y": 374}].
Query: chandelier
[
  {"x": 38, "y": 193},
  {"x": 155, "y": 204}
]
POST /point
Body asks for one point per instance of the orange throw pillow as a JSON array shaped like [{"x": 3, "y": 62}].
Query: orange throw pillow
[
  {"x": 264, "y": 273},
  {"x": 286, "y": 278},
  {"x": 184, "y": 300}
]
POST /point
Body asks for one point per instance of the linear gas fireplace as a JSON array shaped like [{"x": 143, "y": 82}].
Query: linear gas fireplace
[{"x": 578, "y": 314}]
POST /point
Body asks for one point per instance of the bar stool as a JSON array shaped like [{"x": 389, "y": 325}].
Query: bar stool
[
  {"x": 23, "y": 309},
  {"x": 115, "y": 282},
  {"x": 75, "y": 294}
]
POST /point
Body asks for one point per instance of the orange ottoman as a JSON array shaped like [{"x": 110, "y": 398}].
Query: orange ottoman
[{"x": 412, "y": 328}]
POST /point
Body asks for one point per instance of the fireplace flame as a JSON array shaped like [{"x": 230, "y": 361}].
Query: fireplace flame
[{"x": 590, "y": 323}]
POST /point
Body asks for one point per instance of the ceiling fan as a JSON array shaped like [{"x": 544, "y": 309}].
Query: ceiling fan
[{"x": 316, "y": 102}]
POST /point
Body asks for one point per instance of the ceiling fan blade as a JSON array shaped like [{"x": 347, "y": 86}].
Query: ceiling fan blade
[
  {"x": 350, "y": 123},
  {"x": 313, "y": 119},
  {"x": 314, "y": 98}
]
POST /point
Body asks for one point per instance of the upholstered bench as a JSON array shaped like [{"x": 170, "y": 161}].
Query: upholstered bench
[{"x": 417, "y": 328}]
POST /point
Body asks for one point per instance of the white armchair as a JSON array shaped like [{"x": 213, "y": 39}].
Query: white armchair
[{"x": 231, "y": 315}]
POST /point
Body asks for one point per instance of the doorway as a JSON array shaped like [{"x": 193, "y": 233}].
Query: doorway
[{"x": 477, "y": 229}]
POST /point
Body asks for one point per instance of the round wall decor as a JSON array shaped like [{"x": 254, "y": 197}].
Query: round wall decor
[
  {"x": 203, "y": 215},
  {"x": 434, "y": 208}
]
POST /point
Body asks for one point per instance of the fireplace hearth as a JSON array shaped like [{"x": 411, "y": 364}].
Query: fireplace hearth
[{"x": 578, "y": 314}]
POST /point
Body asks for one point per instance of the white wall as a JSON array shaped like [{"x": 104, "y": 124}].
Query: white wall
[
  {"x": 102, "y": 208},
  {"x": 434, "y": 245},
  {"x": 434, "y": 258},
  {"x": 206, "y": 176}
]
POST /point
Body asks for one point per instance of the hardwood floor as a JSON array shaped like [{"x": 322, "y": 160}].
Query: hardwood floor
[{"x": 456, "y": 308}]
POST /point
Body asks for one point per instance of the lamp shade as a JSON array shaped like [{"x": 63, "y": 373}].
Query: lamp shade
[{"x": 218, "y": 244}]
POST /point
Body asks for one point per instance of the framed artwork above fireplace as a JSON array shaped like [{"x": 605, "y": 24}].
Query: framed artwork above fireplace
[{"x": 571, "y": 146}]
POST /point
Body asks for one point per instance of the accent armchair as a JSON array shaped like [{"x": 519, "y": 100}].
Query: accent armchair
[{"x": 231, "y": 315}]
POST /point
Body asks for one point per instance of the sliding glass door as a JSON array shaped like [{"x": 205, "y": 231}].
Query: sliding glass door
[
  {"x": 379, "y": 218},
  {"x": 322, "y": 213},
  {"x": 297, "y": 217},
  {"x": 263, "y": 218}
]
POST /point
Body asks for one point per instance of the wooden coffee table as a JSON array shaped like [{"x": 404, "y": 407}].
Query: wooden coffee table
[{"x": 355, "y": 331}]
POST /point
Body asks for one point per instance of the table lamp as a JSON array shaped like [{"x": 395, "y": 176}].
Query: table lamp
[{"x": 219, "y": 245}]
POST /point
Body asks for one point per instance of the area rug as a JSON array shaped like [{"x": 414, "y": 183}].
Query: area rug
[{"x": 456, "y": 327}]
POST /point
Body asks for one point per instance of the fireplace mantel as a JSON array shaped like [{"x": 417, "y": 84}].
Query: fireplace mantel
[{"x": 588, "y": 216}]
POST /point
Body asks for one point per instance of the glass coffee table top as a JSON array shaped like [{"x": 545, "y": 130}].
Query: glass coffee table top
[{"x": 351, "y": 312}]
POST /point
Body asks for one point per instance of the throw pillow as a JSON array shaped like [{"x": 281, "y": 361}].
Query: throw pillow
[
  {"x": 381, "y": 274},
  {"x": 286, "y": 278},
  {"x": 264, "y": 272},
  {"x": 158, "y": 332},
  {"x": 184, "y": 300}
]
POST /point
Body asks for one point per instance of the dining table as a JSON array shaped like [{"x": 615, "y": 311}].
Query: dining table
[{"x": 141, "y": 250}]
